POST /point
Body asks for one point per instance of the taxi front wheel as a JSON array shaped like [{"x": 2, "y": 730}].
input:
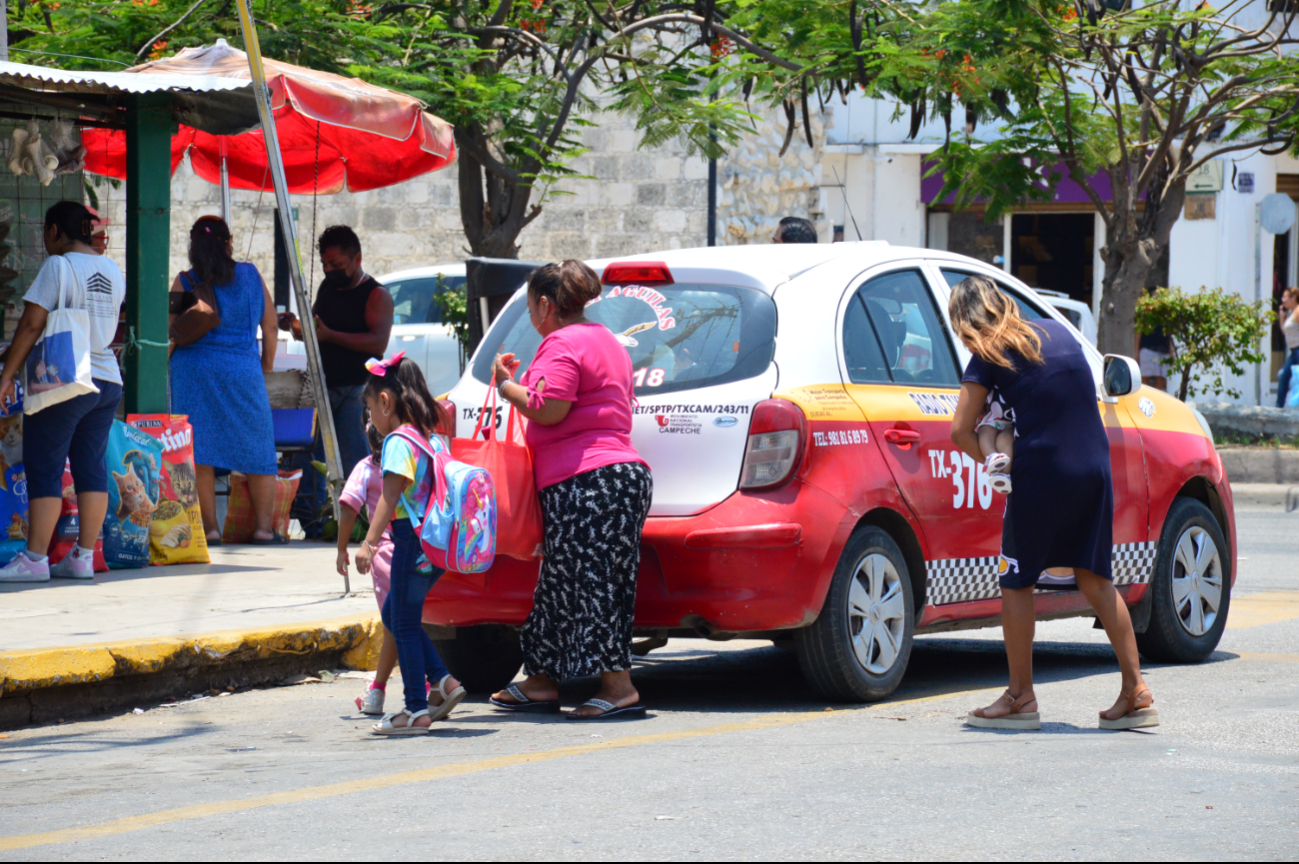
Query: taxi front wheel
[
  {"x": 858, "y": 648},
  {"x": 1190, "y": 587}
]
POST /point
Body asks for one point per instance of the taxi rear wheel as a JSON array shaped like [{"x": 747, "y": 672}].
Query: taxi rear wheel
[
  {"x": 484, "y": 658},
  {"x": 1190, "y": 587},
  {"x": 858, "y": 648}
]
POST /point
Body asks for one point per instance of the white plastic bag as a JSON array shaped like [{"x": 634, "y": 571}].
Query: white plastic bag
[{"x": 59, "y": 367}]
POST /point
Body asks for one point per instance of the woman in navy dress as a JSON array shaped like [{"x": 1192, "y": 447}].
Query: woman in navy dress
[
  {"x": 219, "y": 379},
  {"x": 1060, "y": 512}
]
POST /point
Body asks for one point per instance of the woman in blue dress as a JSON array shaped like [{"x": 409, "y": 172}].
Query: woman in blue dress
[
  {"x": 219, "y": 380},
  {"x": 1060, "y": 514}
]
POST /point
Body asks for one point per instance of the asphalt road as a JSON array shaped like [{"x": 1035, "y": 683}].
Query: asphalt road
[{"x": 739, "y": 761}]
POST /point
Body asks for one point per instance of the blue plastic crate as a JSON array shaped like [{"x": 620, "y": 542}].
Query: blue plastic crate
[{"x": 295, "y": 428}]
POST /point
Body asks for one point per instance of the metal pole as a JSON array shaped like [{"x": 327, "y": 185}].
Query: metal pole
[
  {"x": 225, "y": 184},
  {"x": 325, "y": 413},
  {"x": 4, "y": 30},
  {"x": 1258, "y": 292}
]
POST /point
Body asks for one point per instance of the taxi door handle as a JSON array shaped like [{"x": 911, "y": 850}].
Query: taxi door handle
[{"x": 905, "y": 437}]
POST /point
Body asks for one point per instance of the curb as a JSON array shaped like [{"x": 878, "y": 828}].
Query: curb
[
  {"x": 1260, "y": 465},
  {"x": 54, "y": 683}
]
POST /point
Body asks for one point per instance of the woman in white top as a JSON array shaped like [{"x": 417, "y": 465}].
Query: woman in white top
[
  {"x": 1289, "y": 316},
  {"x": 75, "y": 430}
]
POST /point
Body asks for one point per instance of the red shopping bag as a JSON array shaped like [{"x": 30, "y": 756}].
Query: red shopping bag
[
  {"x": 508, "y": 460},
  {"x": 241, "y": 519}
]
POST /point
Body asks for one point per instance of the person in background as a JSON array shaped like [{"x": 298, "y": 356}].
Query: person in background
[
  {"x": 353, "y": 320},
  {"x": 1060, "y": 517},
  {"x": 398, "y": 398},
  {"x": 364, "y": 489},
  {"x": 75, "y": 430},
  {"x": 1288, "y": 318},
  {"x": 1153, "y": 350},
  {"x": 794, "y": 229},
  {"x": 219, "y": 380},
  {"x": 595, "y": 495}
]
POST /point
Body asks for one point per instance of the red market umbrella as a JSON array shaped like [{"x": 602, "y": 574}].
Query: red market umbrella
[{"x": 334, "y": 132}]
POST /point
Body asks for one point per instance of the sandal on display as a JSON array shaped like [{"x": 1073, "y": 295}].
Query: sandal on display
[
  {"x": 449, "y": 700},
  {"x": 523, "y": 705},
  {"x": 609, "y": 711},
  {"x": 1140, "y": 713},
  {"x": 386, "y": 727},
  {"x": 1017, "y": 719}
]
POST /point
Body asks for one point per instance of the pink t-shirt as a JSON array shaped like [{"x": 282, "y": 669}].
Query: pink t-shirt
[
  {"x": 364, "y": 489},
  {"x": 583, "y": 364}
]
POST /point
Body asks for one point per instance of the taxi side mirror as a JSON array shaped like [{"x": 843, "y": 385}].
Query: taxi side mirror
[{"x": 1122, "y": 376}]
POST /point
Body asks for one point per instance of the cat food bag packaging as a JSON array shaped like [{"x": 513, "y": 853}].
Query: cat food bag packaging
[
  {"x": 176, "y": 534},
  {"x": 13, "y": 480},
  {"x": 135, "y": 463},
  {"x": 67, "y": 531}
]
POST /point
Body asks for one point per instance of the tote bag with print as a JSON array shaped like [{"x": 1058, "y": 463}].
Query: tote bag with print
[{"x": 58, "y": 368}]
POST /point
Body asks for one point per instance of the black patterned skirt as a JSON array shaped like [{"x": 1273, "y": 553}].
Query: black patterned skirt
[{"x": 582, "y": 611}]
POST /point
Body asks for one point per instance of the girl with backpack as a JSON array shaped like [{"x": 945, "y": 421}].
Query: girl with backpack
[{"x": 399, "y": 402}]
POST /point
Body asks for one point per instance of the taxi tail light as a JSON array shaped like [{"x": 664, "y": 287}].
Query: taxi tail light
[
  {"x": 443, "y": 427},
  {"x": 777, "y": 440},
  {"x": 637, "y": 273}
]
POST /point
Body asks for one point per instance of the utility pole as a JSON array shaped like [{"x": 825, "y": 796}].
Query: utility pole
[{"x": 4, "y": 30}]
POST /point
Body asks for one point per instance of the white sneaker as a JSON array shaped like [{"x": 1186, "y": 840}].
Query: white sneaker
[
  {"x": 1000, "y": 483},
  {"x": 73, "y": 566},
  {"x": 24, "y": 569},
  {"x": 371, "y": 701},
  {"x": 997, "y": 463}
]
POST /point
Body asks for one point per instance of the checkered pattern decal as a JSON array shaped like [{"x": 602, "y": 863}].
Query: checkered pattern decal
[{"x": 960, "y": 580}]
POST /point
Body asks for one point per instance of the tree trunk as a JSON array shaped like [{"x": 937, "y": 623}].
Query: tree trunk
[{"x": 492, "y": 209}]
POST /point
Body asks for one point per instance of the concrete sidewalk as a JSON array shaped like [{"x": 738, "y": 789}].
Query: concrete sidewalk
[
  {"x": 254, "y": 615},
  {"x": 243, "y": 587}
]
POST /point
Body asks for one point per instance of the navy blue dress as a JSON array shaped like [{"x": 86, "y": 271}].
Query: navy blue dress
[
  {"x": 1060, "y": 512},
  {"x": 218, "y": 381}
]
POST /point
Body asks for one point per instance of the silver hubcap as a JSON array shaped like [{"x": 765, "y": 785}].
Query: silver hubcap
[
  {"x": 875, "y": 614},
  {"x": 1197, "y": 581}
]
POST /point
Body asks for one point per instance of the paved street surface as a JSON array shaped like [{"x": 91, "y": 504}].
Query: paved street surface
[{"x": 739, "y": 760}]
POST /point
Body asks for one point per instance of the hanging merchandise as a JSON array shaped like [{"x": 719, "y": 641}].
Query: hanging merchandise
[
  {"x": 176, "y": 534},
  {"x": 134, "y": 463}
]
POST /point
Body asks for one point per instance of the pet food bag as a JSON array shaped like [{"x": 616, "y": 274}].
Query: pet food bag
[
  {"x": 241, "y": 520},
  {"x": 135, "y": 463},
  {"x": 13, "y": 480},
  {"x": 176, "y": 534},
  {"x": 67, "y": 531}
]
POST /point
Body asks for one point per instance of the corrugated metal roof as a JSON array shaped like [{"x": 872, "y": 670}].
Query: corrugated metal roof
[{"x": 67, "y": 81}]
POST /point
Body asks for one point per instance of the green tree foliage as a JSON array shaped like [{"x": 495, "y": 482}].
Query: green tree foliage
[
  {"x": 1211, "y": 332},
  {"x": 453, "y": 308},
  {"x": 514, "y": 78}
]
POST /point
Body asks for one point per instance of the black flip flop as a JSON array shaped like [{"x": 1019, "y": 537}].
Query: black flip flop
[
  {"x": 609, "y": 712},
  {"x": 276, "y": 540},
  {"x": 524, "y": 705}
]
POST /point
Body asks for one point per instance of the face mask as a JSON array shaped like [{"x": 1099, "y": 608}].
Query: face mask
[{"x": 338, "y": 280}]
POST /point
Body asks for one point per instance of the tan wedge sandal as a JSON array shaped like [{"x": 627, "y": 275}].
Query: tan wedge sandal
[
  {"x": 1138, "y": 716},
  {"x": 1018, "y": 719}
]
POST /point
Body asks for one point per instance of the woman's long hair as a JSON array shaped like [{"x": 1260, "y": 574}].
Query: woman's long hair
[
  {"x": 987, "y": 320},
  {"x": 207, "y": 251}
]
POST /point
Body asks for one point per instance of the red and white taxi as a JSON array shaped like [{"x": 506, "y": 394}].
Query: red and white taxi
[{"x": 795, "y": 406}]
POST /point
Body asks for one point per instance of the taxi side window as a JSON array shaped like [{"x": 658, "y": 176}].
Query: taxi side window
[
  {"x": 892, "y": 334},
  {"x": 1026, "y": 311}
]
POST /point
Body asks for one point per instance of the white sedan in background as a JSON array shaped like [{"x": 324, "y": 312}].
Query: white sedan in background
[{"x": 417, "y": 326}]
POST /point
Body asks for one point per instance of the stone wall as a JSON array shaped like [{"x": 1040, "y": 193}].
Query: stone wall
[{"x": 633, "y": 201}]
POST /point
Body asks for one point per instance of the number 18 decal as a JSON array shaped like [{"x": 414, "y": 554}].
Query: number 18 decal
[
  {"x": 968, "y": 478},
  {"x": 649, "y": 377}
]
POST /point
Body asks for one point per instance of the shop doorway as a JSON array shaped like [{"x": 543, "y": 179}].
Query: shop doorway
[{"x": 1054, "y": 251}]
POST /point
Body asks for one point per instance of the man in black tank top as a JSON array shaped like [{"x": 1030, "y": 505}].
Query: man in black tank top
[{"x": 353, "y": 315}]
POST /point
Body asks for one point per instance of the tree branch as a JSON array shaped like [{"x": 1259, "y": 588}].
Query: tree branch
[{"x": 181, "y": 20}]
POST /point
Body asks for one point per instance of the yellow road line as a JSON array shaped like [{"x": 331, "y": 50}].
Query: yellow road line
[
  {"x": 1265, "y": 607},
  {"x": 423, "y": 775}
]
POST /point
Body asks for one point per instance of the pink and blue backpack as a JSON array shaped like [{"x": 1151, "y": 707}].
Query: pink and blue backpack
[{"x": 459, "y": 530}]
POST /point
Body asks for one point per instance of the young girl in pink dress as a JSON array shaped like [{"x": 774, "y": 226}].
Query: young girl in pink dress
[{"x": 364, "y": 488}]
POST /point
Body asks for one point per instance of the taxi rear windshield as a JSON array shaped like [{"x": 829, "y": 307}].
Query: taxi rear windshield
[{"x": 680, "y": 337}]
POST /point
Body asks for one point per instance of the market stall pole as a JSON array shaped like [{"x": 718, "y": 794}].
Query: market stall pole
[
  {"x": 315, "y": 370},
  {"x": 149, "y": 127}
]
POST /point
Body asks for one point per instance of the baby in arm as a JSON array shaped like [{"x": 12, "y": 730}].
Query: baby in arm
[{"x": 996, "y": 431}]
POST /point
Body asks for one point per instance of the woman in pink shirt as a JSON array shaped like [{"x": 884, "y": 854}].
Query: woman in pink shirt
[{"x": 595, "y": 494}]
